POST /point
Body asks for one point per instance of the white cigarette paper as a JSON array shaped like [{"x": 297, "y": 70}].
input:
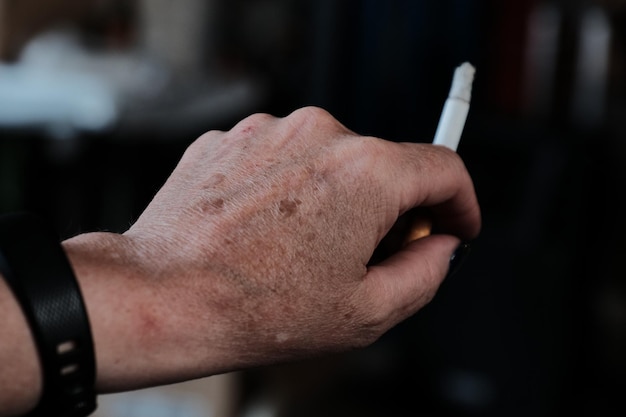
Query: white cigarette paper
[{"x": 455, "y": 109}]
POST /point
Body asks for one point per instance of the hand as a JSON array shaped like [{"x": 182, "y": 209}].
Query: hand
[{"x": 256, "y": 250}]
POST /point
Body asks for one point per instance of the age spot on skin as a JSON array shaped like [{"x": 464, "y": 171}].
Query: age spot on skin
[
  {"x": 213, "y": 206},
  {"x": 288, "y": 207},
  {"x": 214, "y": 181}
]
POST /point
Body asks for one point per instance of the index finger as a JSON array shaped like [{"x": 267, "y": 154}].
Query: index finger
[{"x": 424, "y": 175}]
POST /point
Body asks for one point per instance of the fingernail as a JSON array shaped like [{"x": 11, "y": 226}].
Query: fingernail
[{"x": 458, "y": 258}]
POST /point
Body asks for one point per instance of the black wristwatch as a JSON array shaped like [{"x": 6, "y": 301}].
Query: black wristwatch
[{"x": 38, "y": 272}]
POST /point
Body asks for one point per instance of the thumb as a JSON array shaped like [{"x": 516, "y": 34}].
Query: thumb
[{"x": 407, "y": 281}]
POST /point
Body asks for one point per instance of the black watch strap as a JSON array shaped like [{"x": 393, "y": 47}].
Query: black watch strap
[{"x": 37, "y": 270}]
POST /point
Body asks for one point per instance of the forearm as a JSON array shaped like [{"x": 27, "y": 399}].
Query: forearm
[
  {"x": 133, "y": 318},
  {"x": 145, "y": 321}
]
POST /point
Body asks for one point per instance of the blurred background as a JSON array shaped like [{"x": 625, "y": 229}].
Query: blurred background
[{"x": 99, "y": 98}]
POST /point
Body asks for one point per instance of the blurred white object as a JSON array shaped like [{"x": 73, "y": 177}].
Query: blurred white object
[
  {"x": 60, "y": 103},
  {"x": 215, "y": 396},
  {"x": 62, "y": 88},
  {"x": 592, "y": 68}
]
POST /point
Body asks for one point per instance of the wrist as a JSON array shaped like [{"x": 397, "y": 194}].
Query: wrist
[
  {"x": 112, "y": 288},
  {"x": 145, "y": 328}
]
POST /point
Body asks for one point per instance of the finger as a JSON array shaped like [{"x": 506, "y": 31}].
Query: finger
[
  {"x": 407, "y": 281},
  {"x": 434, "y": 176}
]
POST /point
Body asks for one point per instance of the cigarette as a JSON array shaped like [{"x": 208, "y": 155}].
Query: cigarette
[
  {"x": 448, "y": 134},
  {"x": 456, "y": 107}
]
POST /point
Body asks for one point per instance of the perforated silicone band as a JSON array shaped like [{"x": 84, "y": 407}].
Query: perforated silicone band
[{"x": 36, "y": 268}]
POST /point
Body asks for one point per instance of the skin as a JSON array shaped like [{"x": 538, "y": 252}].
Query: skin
[{"x": 254, "y": 252}]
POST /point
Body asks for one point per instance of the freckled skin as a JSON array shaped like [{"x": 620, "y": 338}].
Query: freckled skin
[
  {"x": 256, "y": 250},
  {"x": 288, "y": 207},
  {"x": 295, "y": 227}
]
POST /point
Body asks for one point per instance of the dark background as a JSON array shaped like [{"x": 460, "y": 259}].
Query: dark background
[{"x": 535, "y": 322}]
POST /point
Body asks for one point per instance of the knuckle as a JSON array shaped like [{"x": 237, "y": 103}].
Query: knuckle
[
  {"x": 371, "y": 148},
  {"x": 207, "y": 138},
  {"x": 363, "y": 154},
  {"x": 315, "y": 116},
  {"x": 253, "y": 123},
  {"x": 310, "y": 112},
  {"x": 198, "y": 146}
]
